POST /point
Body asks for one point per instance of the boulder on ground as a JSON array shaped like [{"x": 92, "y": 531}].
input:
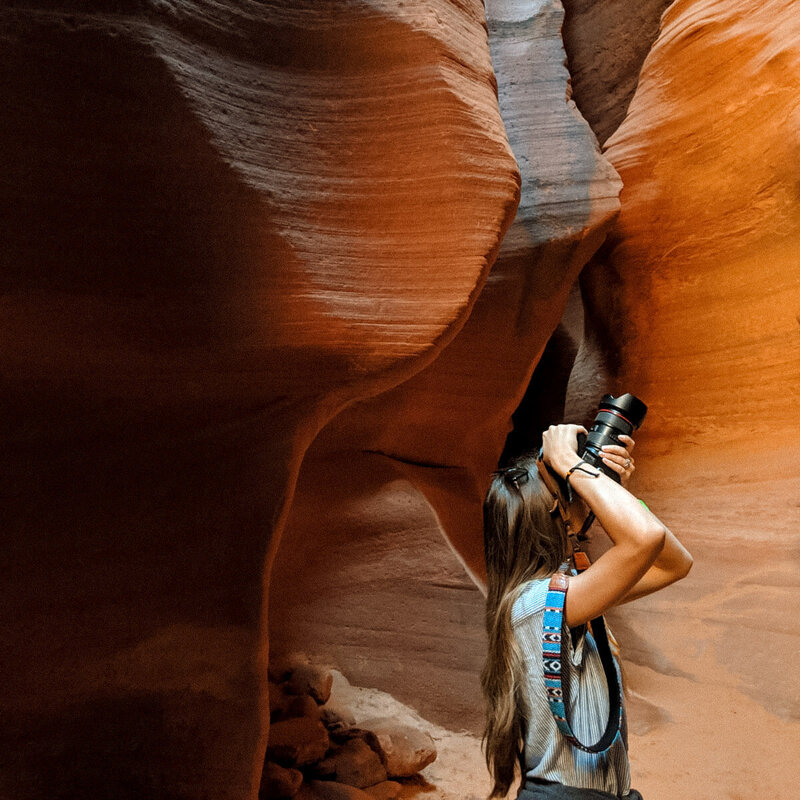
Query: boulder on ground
[
  {"x": 406, "y": 750},
  {"x": 297, "y": 742},
  {"x": 354, "y": 763},
  {"x": 342, "y": 735},
  {"x": 279, "y": 783},
  {"x": 313, "y": 680},
  {"x": 302, "y": 706},
  {"x": 330, "y": 790},
  {"x": 385, "y": 790}
]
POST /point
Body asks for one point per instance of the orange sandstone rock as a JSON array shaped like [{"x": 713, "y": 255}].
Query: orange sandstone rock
[
  {"x": 363, "y": 577},
  {"x": 223, "y": 223},
  {"x": 695, "y": 305}
]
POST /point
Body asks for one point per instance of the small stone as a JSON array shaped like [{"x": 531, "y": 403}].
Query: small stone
[
  {"x": 297, "y": 742},
  {"x": 336, "y": 716},
  {"x": 313, "y": 680},
  {"x": 385, "y": 790},
  {"x": 279, "y": 700},
  {"x": 406, "y": 750},
  {"x": 279, "y": 783},
  {"x": 302, "y": 706},
  {"x": 330, "y": 790},
  {"x": 354, "y": 763},
  {"x": 342, "y": 735}
]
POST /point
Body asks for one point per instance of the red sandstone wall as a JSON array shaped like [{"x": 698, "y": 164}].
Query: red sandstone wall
[
  {"x": 227, "y": 222},
  {"x": 223, "y": 222},
  {"x": 693, "y": 305},
  {"x": 442, "y": 431}
]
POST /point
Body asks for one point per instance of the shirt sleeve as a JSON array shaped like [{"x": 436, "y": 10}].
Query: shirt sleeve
[{"x": 531, "y": 601}]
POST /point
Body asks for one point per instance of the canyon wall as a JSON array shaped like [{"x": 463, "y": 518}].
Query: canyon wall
[
  {"x": 278, "y": 280},
  {"x": 413, "y": 625},
  {"x": 223, "y": 223},
  {"x": 693, "y": 305}
]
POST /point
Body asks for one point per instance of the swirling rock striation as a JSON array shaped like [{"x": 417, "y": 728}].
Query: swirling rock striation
[
  {"x": 396, "y": 611},
  {"x": 695, "y": 300},
  {"x": 224, "y": 222}
]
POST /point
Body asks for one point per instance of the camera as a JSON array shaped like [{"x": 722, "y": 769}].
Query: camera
[{"x": 617, "y": 416}]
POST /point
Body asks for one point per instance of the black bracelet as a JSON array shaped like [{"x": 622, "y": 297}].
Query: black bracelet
[{"x": 579, "y": 467}]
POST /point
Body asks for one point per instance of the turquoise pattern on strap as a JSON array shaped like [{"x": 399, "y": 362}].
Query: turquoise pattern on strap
[{"x": 554, "y": 631}]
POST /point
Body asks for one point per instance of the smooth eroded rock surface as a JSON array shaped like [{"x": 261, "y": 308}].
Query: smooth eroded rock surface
[
  {"x": 693, "y": 307},
  {"x": 364, "y": 574},
  {"x": 223, "y": 223}
]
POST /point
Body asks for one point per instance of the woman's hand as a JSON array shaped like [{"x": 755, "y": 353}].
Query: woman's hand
[
  {"x": 619, "y": 458},
  {"x": 560, "y": 447}
]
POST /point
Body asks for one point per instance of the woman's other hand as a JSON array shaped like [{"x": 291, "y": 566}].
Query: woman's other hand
[
  {"x": 620, "y": 459},
  {"x": 560, "y": 447}
]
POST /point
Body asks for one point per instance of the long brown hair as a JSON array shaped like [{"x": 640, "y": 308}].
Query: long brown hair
[{"x": 522, "y": 541}]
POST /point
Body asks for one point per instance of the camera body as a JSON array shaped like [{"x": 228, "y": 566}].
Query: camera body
[{"x": 617, "y": 416}]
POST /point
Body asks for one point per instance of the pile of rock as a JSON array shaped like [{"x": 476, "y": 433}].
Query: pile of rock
[{"x": 316, "y": 751}]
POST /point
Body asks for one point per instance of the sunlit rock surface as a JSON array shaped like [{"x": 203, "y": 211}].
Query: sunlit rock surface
[
  {"x": 223, "y": 222},
  {"x": 694, "y": 307},
  {"x": 384, "y": 596},
  {"x": 238, "y": 230}
]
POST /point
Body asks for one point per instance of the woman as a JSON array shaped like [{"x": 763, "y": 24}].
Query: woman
[{"x": 527, "y": 542}]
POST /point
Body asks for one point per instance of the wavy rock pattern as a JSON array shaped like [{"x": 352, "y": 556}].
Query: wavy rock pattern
[
  {"x": 223, "y": 223},
  {"x": 443, "y": 430},
  {"x": 696, "y": 301},
  {"x": 230, "y": 226}
]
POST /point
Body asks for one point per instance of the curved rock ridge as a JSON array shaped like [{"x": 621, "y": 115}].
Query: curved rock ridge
[
  {"x": 224, "y": 222},
  {"x": 345, "y": 182},
  {"x": 696, "y": 300},
  {"x": 320, "y": 201},
  {"x": 415, "y": 628},
  {"x": 732, "y": 133}
]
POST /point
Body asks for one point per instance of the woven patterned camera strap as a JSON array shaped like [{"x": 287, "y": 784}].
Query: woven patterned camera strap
[{"x": 555, "y": 655}]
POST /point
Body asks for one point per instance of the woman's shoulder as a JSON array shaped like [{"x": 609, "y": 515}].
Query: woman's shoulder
[{"x": 530, "y": 601}]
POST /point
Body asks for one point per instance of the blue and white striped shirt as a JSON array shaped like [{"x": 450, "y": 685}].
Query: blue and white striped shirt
[{"x": 548, "y": 755}]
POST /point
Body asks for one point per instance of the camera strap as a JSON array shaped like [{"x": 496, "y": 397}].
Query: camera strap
[
  {"x": 555, "y": 655},
  {"x": 561, "y": 507}
]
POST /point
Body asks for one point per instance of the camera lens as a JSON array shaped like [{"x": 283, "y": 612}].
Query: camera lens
[{"x": 617, "y": 416}]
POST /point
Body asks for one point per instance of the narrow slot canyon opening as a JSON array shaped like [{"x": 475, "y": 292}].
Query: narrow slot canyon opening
[{"x": 545, "y": 400}]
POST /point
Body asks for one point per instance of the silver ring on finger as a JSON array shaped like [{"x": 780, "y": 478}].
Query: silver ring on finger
[{"x": 627, "y": 463}]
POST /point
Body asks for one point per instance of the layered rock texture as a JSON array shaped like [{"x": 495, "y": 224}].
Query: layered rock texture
[
  {"x": 266, "y": 323},
  {"x": 223, "y": 223},
  {"x": 363, "y": 577},
  {"x": 693, "y": 305}
]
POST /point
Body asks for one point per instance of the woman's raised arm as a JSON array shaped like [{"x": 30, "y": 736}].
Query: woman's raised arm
[{"x": 638, "y": 537}]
